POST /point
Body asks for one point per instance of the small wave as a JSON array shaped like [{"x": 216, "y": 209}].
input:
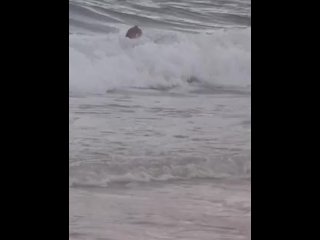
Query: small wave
[
  {"x": 160, "y": 60},
  {"x": 160, "y": 170}
]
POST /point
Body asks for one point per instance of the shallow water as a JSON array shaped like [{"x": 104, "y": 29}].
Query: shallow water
[
  {"x": 160, "y": 126},
  {"x": 160, "y": 166}
]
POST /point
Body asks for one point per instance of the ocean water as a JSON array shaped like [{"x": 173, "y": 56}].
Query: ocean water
[{"x": 160, "y": 126}]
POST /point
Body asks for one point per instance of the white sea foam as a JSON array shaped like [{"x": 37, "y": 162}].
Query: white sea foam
[{"x": 159, "y": 60}]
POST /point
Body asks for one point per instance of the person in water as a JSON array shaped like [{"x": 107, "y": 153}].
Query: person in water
[{"x": 134, "y": 32}]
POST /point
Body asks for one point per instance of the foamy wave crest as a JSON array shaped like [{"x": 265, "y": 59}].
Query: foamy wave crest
[
  {"x": 102, "y": 174},
  {"x": 159, "y": 60}
]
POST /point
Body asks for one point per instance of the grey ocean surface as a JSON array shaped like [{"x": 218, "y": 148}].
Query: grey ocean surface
[{"x": 160, "y": 126}]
